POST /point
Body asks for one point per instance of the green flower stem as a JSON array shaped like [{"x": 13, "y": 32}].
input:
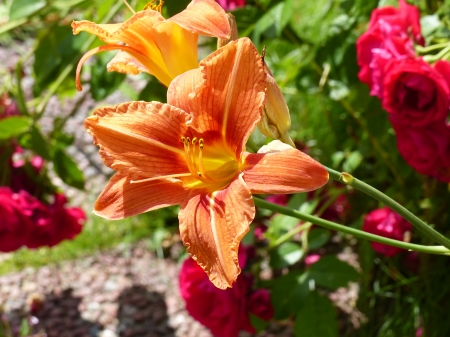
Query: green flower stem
[
  {"x": 348, "y": 179},
  {"x": 424, "y": 50},
  {"x": 438, "y": 56},
  {"x": 348, "y": 230}
]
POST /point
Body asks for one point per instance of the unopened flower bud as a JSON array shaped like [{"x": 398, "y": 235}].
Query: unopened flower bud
[
  {"x": 234, "y": 32},
  {"x": 275, "y": 121}
]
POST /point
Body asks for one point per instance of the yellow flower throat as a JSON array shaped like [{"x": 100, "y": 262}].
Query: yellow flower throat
[{"x": 210, "y": 166}]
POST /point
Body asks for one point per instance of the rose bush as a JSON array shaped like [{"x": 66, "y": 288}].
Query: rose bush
[
  {"x": 15, "y": 226},
  {"x": 387, "y": 223},
  {"x": 54, "y": 223},
  {"x": 415, "y": 93},
  {"x": 391, "y": 35},
  {"x": 426, "y": 149},
  {"x": 224, "y": 312}
]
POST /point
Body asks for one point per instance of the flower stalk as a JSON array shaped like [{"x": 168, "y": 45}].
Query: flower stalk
[
  {"x": 440, "y": 250},
  {"x": 348, "y": 179}
]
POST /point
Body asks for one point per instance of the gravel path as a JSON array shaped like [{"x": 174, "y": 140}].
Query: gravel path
[{"x": 123, "y": 292}]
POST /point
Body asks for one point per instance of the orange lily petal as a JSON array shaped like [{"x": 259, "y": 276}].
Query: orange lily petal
[
  {"x": 234, "y": 107},
  {"x": 184, "y": 87},
  {"x": 139, "y": 139},
  {"x": 281, "y": 169},
  {"x": 126, "y": 64},
  {"x": 121, "y": 199},
  {"x": 211, "y": 227},
  {"x": 132, "y": 32},
  {"x": 178, "y": 47},
  {"x": 204, "y": 17},
  {"x": 160, "y": 72},
  {"x": 137, "y": 32}
]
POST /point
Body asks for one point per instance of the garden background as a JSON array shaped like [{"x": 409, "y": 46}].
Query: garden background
[{"x": 120, "y": 278}]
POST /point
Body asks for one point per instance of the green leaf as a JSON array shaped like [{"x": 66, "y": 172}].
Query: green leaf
[
  {"x": 56, "y": 49},
  {"x": 67, "y": 169},
  {"x": 338, "y": 90},
  {"x": 22, "y": 8},
  {"x": 316, "y": 318},
  {"x": 258, "y": 323},
  {"x": 39, "y": 144},
  {"x": 330, "y": 272},
  {"x": 279, "y": 225},
  {"x": 318, "y": 237},
  {"x": 24, "y": 327},
  {"x": 13, "y": 126},
  {"x": 297, "y": 200},
  {"x": 352, "y": 162},
  {"x": 286, "y": 254},
  {"x": 103, "y": 82},
  {"x": 288, "y": 293}
]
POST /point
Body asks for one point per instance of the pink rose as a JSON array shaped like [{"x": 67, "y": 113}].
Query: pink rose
[
  {"x": 230, "y": 5},
  {"x": 415, "y": 94},
  {"x": 387, "y": 223},
  {"x": 390, "y": 36},
  {"x": 311, "y": 259},
  {"x": 224, "y": 312},
  {"x": 426, "y": 149},
  {"x": 279, "y": 199},
  {"x": 258, "y": 304},
  {"x": 54, "y": 223},
  {"x": 8, "y": 107},
  {"x": 15, "y": 226}
]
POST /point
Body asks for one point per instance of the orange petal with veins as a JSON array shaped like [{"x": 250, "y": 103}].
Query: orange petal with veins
[
  {"x": 140, "y": 139},
  {"x": 230, "y": 99},
  {"x": 204, "y": 17},
  {"x": 281, "y": 169},
  {"x": 212, "y": 226},
  {"x": 121, "y": 199}
]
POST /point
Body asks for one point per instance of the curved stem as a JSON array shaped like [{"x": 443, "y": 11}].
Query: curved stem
[
  {"x": 348, "y": 179},
  {"x": 348, "y": 230}
]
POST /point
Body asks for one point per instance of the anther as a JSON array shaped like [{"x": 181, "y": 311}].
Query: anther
[
  {"x": 183, "y": 140},
  {"x": 200, "y": 143},
  {"x": 194, "y": 140}
]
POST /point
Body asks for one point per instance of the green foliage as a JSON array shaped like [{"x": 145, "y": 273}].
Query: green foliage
[
  {"x": 67, "y": 169},
  {"x": 332, "y": 273},
  {"x": 288, "y": 293},
  {"x": 13, "y": 126},
  {"x": 316, "y": 318}
]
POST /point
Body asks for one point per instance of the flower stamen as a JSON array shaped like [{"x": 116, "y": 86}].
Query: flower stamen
[{"x": 151, "y": 5}]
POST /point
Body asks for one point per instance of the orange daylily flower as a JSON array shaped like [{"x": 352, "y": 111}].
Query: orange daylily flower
[
  {"x": 191, "y": 152},
  {"x": 163, "y": 48}
]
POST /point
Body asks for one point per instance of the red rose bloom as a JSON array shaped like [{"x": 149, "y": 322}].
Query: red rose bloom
[
  {"x": 387, "y": 223},
  {"x": 388, "y": 37},
  {"x": 54, "y": 223},
  {"x": 15, "y": 226},
  {"x": 415, "y": 94},
  {"x": 224, "y": 312},
  {"x": 230, "y": 5},
  {"x": 426, "y": 149}
]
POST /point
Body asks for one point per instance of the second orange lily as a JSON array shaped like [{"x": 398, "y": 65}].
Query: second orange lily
[
  {"x": 163, "y": 48},
  {"x": 191, "y": 152}
]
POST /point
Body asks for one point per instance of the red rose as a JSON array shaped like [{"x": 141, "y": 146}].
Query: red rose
[
  {"x": 387, "y": 223},
  {"x": 415, "y": 94},
  {"x": 388, "y": 37},
  {"x": 15, "y": 226},
  {"x": 54, "y": 223},
  {"x": 426, "y": 149},
  {"x": 224, "y": 312},
  {"x": 406, "y": 19},
  {"x": 230, "y": 5}
]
